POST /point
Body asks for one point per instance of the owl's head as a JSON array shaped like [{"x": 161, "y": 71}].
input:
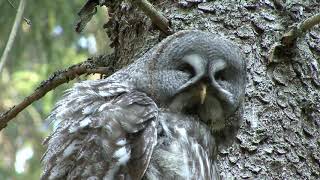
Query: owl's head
[{"x": 195, "y": 72}]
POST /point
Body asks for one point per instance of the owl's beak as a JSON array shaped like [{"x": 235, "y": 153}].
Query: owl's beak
[
  {"x": 190, "y": 98},
  {"x": 203, "y": 93},
  {"x": 204, "y": 78}
]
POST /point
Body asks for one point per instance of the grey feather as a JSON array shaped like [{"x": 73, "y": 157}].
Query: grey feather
[
  {"x": 155, "y": 119},
  {"x": 98, "y": 142}
]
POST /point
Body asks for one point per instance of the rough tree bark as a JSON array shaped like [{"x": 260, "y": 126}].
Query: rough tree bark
[{"x": 280, "y": 134}]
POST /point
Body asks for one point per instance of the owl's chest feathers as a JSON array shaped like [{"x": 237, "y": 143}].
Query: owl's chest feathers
[{"x": 185, "y": 149}]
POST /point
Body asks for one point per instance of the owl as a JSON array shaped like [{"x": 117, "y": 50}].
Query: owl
[{"x": 154, "y": 119}]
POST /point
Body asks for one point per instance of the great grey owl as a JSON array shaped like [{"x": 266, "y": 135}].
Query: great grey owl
[{"x": 154, "y": 119}]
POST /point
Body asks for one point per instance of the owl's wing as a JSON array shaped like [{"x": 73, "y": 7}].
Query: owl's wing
[{"x": 105, "y": 131}]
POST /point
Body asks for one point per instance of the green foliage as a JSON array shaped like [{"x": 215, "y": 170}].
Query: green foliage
[
  {"x": 25, "y": 81},
  {"x": 37, "y": 52}
]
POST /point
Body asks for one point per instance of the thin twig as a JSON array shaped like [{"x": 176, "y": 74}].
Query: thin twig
[
  {"x": 156, "y": 17},
  {"x": 25, "y": 19},
  {"x": 58, "y": 78},
  {"x": 13, "y": 34}
]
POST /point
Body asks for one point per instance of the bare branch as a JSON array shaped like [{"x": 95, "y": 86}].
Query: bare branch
[
  {"x": 283, "y": 48},
  {"x": 156, "y": 17},
  {"x": 85, "y": 14},
  {"x": 290, "y": 37},
  {"x": 13, "y": 34},
  {"x": 58, "y": 78},
  {"x": 90, "y": 8},
  {"x": 24, "y": 18}
]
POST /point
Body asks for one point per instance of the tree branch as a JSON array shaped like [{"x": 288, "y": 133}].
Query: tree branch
[
  {"x": 90, "y": 8},
  {"x": 85, "y": 14},
  {"x": 24, "y": 18},
  {"x": 13, "y": 34},
  {"x": 58, "y": 78},
  {"x": 287, "y": 41},
  {"x": 290, "y": 37},
  {"x": 156, "y": 17}
]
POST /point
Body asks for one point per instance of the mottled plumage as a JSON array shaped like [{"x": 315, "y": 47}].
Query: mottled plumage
[{"x": 153, "y": 119}]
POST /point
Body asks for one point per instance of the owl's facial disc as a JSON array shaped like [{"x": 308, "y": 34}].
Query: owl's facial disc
[{"x": 203, "y": 95}]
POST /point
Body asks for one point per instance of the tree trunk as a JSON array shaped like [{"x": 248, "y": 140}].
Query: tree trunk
[{"x": 280, "y": 134}]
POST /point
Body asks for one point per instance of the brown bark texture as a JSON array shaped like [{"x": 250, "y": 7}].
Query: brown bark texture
[{"x": 280, "y": 134}]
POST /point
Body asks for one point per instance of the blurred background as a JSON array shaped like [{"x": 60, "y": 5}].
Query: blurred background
[{"x": 46, "y": 44}]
